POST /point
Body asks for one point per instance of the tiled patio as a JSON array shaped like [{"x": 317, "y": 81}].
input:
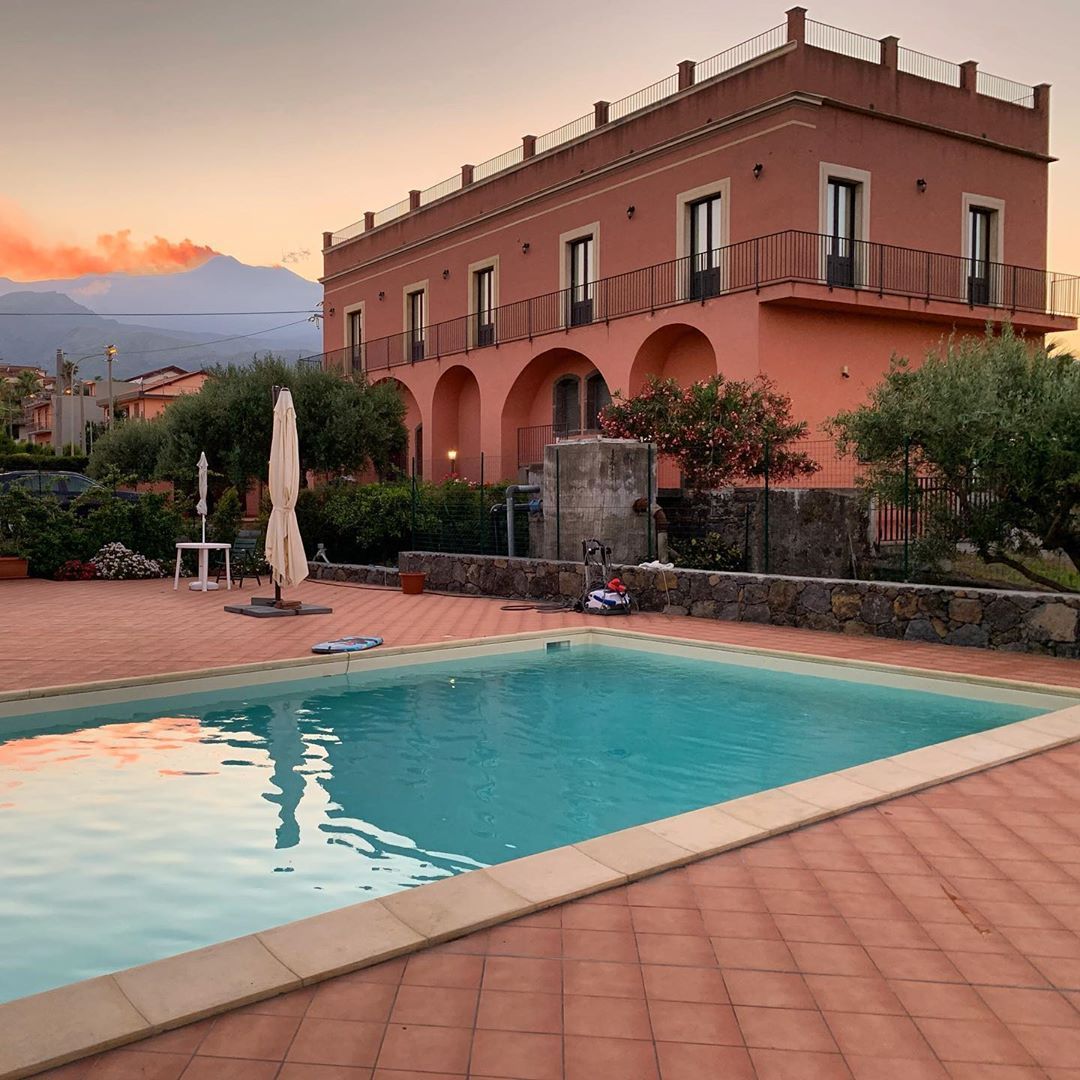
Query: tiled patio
[
  {"x": 934, "y": 936},
  {"x": 69, "y": 632}
]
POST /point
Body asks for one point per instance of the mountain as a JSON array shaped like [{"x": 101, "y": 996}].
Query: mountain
[
  {"x": 221, "y": 284},
  {"x": 58, "y": 322}
]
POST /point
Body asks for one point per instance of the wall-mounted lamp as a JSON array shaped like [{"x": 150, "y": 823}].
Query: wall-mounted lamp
[
  {"x": 630, "y": 211},
  {"x": 844, "y": 373},
  {"x": 382, "y": 295},
  {"x": 921, "y": 185},
  {"x": 757, "y": 170},
  {"x": 452, "y": 455},
  {"x": 445, "y": 274},
  {"x": 525, "y": 248}
]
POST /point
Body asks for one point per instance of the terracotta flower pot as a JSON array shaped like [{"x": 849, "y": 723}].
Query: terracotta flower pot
[
  {"x": 12, "y": 566},
  {"x": 412, "y": 583}
]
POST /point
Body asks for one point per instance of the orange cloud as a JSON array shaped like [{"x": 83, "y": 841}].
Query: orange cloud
[{"x": 26, "y": 259}]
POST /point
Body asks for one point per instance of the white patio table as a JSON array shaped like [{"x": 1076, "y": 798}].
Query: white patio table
[{"x": 204, "y": 549}]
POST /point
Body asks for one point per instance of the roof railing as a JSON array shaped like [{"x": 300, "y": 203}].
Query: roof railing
[{"x": 817, "y": 34}]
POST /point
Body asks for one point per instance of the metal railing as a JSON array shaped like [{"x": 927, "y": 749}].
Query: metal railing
[
  {"x": 643, "y": 98},
  {"x": 1005, "y": 89},
  {"x": 819, "y": 35},
  {"x": 532, "y": 440},
  {"x": 743, "y": 53},
  {"x": 928, "y": 67},
  {"x": 781, "y": 257},
  {"x": 845, "y": 42}
]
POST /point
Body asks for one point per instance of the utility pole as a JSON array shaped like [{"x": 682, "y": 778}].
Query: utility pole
[{"x": 110, "y": 352}]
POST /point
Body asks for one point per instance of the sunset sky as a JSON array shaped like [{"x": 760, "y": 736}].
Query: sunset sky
[{"x": 250, "y": 126}]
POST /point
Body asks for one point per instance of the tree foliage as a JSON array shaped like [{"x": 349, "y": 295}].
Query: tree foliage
[
  {"x": 343, "y": 425},
  {"x": 716, "y": 429},
  {"x": 993, "y": 424}
]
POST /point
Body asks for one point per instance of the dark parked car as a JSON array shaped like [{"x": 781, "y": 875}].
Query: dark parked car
[{"x": 65, "y": 487}]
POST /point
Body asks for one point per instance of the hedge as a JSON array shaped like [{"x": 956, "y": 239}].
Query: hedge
[{"x": 43, "y": 463}]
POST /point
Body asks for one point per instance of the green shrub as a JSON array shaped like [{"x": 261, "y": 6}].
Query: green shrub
[
  {"x": 223, "y": 522},
  {"x": 47, "y": 462},
  {"x": 707, "y": 552}
]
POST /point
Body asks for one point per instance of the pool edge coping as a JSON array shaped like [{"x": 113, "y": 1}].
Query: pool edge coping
[{"x": 125, "y": 1006}]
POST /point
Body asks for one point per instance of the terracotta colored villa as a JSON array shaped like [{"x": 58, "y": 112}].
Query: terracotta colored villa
[{"x": 802, "y": 205}]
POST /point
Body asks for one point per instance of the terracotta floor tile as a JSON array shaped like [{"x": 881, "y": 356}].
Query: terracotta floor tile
[
  {"x": 680, "y": 949},
  {"x": 766, "y": 877},
  {"x": 863, "y": 906},
  {"x": 1017, "y": 1005},
  {"x": 890, "y": 933},
  {"x": 942, "y": 1001},
  {"x": 798, "y": 1065},
  {"x": 875, "y": 1034},
  {"x": 1050, "y": 1046},
  {"x": 592, "y": 1059},
  {"x": 694, "y": 1022},
  {"x": 521, "y": 1055},
  {"x": 609, "y": 1017},
  {"x": 505, "y": 1010},
  {"x": 720, "y": 872},
  {"x": 996, "y": 969},
  {"x": 444, "y": 969},
  {"x": 438, "y": 1006},
  {"x": 611, "y": 945},
  {"x": 697, "y": 1061},
  {"x": 430, "y": 1049},
  {"x": 825, "y": 929},
  {"x": 293, "y": 1003},
  {"x": 745, "y": 924},
  {"x": 336, "y": 1042},
  {"x": 928, "y": 965},
  {"x": 339, "y": 999},
  {"x": 523, "y": 973},
  {"x": 523, "y": 941},
  {"x": 754, "y": 955},
  {"x": 986, "y": 1041},
  {"x": 592, "y": 978},
  {"x": 853, "y": 993},
  {"x": 138, "y": 1065},
  {"x": 773, "y": 988},
  {"x": 798, "y": 902},
  {"x": 1062, "y": 972},
  {"x": 184, "y": 1040},
  {"x": 684, "y": 984},
  {"x": 784, "y": 1029},
  {"x": 874, "y": 1067},
  {"x": 248, "y": 1035},
  {"x": 967, "y": 1070},
  {"x": 209, "y": 1068},
  {"x": 967, "y": 937},
  {"x": 390, "y": 971},
  {"x": 831, "y": 959},
  {"x": 297, "y": 1071},
  {"x": 658, "y": 920},
  {"x": 660, "y": 892},
  {"x": 578, "y": 916}
]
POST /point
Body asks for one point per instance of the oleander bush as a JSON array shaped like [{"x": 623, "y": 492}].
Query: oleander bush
[{"x": 114, "y": 562}]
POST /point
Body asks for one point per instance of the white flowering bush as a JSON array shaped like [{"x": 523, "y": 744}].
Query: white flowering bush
[{"x": 115, "y": 562}]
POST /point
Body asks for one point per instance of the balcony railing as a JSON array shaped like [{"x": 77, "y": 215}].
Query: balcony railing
[{"x": 860, "y": 267}]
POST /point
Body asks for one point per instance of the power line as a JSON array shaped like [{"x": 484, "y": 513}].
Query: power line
[{"x": 202, "y": 344}]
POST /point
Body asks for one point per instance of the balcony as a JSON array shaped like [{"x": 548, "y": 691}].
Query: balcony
[{"x": 864, "y": 274}]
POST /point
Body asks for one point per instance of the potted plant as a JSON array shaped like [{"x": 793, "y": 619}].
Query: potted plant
[
  {"x": 13, "y": 564},
  {"x": 412, "y": 581}
]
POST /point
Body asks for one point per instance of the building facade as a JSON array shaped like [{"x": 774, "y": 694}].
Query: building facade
[
  {"x": 803, "y": 206},
  {"x": 147, "y": 396}
]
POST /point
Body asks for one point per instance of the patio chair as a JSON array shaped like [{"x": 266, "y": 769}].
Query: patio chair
[{"x": 245, "y": 559}]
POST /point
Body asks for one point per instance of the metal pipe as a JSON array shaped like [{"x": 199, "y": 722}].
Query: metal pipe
[{"x": 511, "y": 491}]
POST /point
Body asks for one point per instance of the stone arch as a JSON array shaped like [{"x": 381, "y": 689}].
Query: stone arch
[
  {"x": 529, "y": 405},
  {"x": 677, "y": 351},
  {"x": 454, "y": 425},
  {"x": 413, "y": 421}
]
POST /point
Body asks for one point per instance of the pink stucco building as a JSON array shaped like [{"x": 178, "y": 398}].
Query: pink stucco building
[{"x": 804, "y": 205}]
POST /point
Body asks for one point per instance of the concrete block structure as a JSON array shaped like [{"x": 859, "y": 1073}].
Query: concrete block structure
[{"x": 804, "y": 205}]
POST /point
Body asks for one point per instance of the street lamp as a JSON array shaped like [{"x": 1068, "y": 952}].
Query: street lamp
[{"x": 110, "y": 353}]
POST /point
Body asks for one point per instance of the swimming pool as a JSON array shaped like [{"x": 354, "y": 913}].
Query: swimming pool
[{"x": 135, "y": 831}]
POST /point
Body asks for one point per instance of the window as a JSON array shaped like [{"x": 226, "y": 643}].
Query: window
[
  {"x": 566, "y": 412},
  {"x": 484, "y": 298},
  {"x": 840, "y": 232},
  {"x": 355, "y": 330},
  {"x": 705, "y": 242},
  {"x": 581, "y": 281},
  {"x": 416, "y": 325},
  {"x": 597, "y": 398},
  {"x": 981, "y": 223}
]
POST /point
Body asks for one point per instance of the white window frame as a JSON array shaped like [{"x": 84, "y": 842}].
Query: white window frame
[
  {"x": 490, "y": 263},
  {"x": 406, "y": 315},
  {"x": 565, "y": 240},
  {"x": 683, "y": 226},
  {"x": 997, "y": 232},
  {"x": 828, "y": 170}
]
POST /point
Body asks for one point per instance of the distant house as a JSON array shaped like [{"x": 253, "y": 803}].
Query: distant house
[{"x": 149, "y": 395}]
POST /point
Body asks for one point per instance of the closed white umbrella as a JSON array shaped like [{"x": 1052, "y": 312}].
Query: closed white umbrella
[
  {"x": 284, "y": 547},
  {"x": 200, "y": 508}
]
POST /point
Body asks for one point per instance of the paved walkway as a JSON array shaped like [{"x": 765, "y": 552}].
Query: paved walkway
[
  {"x": 65, "y": 632},
  {"x": 935, "y": 936}
]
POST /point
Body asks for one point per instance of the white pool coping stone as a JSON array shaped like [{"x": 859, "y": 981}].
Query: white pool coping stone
[{"x": 64, "y": 1024}]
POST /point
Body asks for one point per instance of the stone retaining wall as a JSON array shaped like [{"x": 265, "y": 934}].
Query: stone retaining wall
[
  {"x": 983, "y": 618},
  {"x": 354, "y": 573}
]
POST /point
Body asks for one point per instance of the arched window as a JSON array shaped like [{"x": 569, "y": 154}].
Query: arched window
[
  {"x": 597, "y": 397},
  {"x": 566, "y": 410}
]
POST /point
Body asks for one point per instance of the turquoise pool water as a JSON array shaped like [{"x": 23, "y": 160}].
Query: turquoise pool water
[{"x": 131, "y": 832}]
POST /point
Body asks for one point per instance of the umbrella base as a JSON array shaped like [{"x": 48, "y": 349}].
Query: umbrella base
[{"x": 263, "y": 608}]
